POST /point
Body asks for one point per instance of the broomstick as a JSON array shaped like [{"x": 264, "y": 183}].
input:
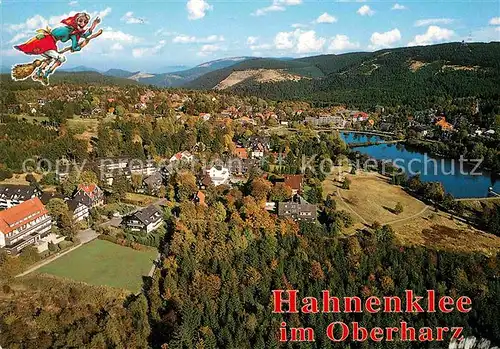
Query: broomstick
[{"x": 24, "y": 71}]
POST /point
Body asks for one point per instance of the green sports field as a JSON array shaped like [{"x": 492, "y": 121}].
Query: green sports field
[{"x": 104, "y": 263}]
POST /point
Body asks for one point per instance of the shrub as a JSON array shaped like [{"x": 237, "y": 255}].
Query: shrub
[
  {"x": 65, "y": 244},
  {"x": 399, "y": 208},
  {"x": 346, "y": 184}
]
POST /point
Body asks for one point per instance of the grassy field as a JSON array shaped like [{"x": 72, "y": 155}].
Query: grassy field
[
  {"x": 20, "y": 179},
  {"x": 371, "y": 198},
  {"x": 139, "y": 199},
  {"x": 105, "y": 264}
]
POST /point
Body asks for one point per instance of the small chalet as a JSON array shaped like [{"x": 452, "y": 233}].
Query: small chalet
[
  {"x": 89, "y": 195},
  {"x": 241, "y": 153},
  {"x": 154, "y": 182},
  {"x": 182, "y": 156},
  {"x": 147, "y": 220},
  {"x": 298, "y": 209},
  {"x": 443, "y": 124},
  {"x": 295, "y": 182},
  {"x": 78, "y": 210},
  {"x": 219, "y": 175},
  {"x": 199, "y": 198}
]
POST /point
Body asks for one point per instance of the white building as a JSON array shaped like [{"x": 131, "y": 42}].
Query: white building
[
  {"x": 78, "y": 210},
  {"x": 24, "y": 225},
  {"x": 182, "y": 156},
  {"x": 219, "y": 175}
]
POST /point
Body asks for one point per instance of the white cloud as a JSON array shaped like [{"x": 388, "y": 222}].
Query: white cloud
[
  {"x": 18, "y": 37},
  {"x": 103, "y": 13},
  {"x": 308, "y": 42},
  {"x": 299, "y": 41},
  {"x": 399, "y": 7},
  {"x": 299, "y": 25},
  {"x": 326, "y": 18},
  {"x": 186, "y": 39},
  {"x": 252, "y": 40},
  {"x": 207, "y": 50},
  {"x": 495, "y": 21},
  {"x": 197, "y": 9},
  {"x": 342, "y": 43},
  {"x": 283, "y": 41},
  {"x": 164, "y": 32},
  {"x": 485, "y": 34},
  {"x": 116, "y": 47},
  {"x": 261, "y": 47},
  {"x": 116, "y": 35},
  {"x": 430, "y": 21},
  {"x": 9, "y": 52},
  {"x": 129, "y": 18},
  {"x": 365, "y": 10},
  {"x": 148, "y": 51},
  {"x": 434, "y": 34},
  {"x": 384, "y": 40},
  {"x": 277, "y": 5},
  {"x": 73, "y": 3}
]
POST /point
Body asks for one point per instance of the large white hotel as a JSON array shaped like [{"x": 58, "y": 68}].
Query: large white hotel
[{"x": 24, "y": 225}]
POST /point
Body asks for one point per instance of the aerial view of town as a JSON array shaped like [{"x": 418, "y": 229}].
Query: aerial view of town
[{"x": 305, "y": 175}]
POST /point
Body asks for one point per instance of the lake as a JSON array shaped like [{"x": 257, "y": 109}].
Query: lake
[{"x": 461, "y": 184}]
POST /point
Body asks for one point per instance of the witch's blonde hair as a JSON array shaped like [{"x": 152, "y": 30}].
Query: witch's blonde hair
[{"x": 83, "y": 14}]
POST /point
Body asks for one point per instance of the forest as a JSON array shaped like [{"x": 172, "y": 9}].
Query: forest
[
  {"x": 384, "y": 77},
  {"x": 214, "y": 288}
]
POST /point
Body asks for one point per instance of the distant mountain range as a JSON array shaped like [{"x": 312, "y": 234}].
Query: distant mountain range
[
  {"x": 422, "y": 75},
  {"x": 181, "y": 77}
]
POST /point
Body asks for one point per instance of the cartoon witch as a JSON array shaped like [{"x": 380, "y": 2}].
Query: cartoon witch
[{"x": 45, "y": 44}]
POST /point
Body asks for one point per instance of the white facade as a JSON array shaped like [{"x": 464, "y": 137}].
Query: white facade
[
  {"x": 81, "y": 212},
  {"x": 219, "y": 175},
  {"x": 184, "y": 156},
  {"x": 257, "y": 154}
]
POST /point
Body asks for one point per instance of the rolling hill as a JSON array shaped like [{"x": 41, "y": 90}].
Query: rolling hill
[
  {"x": 409, "y": 75},
  {"x": 180, "y": 78}
]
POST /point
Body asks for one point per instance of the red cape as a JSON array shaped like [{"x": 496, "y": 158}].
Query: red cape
[{"x": 38, "y": 46}]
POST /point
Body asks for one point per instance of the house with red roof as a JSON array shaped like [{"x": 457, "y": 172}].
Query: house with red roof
[
  {"x": 241, "y": 153},
  {"x": 295, "y": 182},
  {"x": 24, "y": 225},
  {"x": 182, "y": 156},
  {"x": 359, "y": 116},
  {"x": 89, "y": 195}
]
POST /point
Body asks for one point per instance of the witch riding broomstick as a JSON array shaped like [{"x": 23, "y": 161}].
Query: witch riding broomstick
[{"x": 45, "y": 44}]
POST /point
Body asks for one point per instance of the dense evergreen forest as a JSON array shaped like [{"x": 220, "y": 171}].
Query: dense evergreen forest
[{"x": 418, "y": 77}]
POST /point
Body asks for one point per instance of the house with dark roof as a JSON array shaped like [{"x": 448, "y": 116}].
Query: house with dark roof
[
  {"x": 298, "y": 209},
  {"x": 146, "y": 220},
  {"x": 12, "y": 195},
  {"x": 24, "y": 225},
  {"x": 89, "y": 195},
  {"x": 78, "y": 210},
  {"x": 153, "y": 183}
]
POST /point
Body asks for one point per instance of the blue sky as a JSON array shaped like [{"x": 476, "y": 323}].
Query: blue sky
[{"x": 148, "y": 35}]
